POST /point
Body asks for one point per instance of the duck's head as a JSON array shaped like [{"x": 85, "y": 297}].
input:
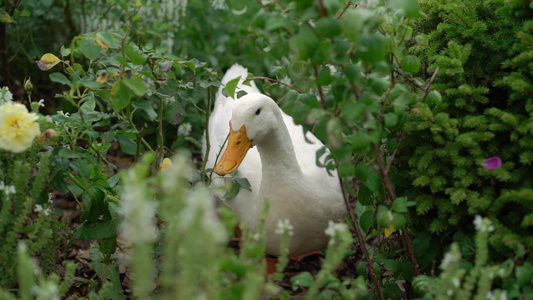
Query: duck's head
[{"x": 255, "y": 116}]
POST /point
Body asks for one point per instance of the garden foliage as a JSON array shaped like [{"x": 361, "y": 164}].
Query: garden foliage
[{"x": 411, "y": 97}]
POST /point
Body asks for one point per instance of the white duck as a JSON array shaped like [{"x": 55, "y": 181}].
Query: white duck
[{"x": 281, "y": 168}]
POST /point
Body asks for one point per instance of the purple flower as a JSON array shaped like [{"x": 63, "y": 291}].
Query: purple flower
[{"x": 492, "y": 163}]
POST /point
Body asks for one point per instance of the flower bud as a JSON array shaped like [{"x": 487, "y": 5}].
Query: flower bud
[{"x": 28, "y": 86}]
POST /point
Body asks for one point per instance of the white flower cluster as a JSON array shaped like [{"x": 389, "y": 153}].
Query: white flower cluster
[
  {"x": 185, "y": 129},
  {"x": 139, "y": 212},
  {"x": 483, "y": 224},
  {"x": 8, "y": 189},
  {"x": 335, "y": 230},
  {"x": 284, "y": 226},
  {"x": 449, "y": 257},
  {"x": 39, "y": 208},
  {"x": 200, "y": 204},
  {"x": 5, "y": 95}
]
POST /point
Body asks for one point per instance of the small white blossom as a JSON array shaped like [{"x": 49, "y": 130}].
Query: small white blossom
[
  {"x": 501, "y": 272},
  {"x": 50, "y": 198},
  {"x": 184, "y": 129},
  {"x": 41, "y": 103},
  {"x": 456, "y": 282},
  {"x": 284, "y": 226},
  {"x": 5, "y": 95},
  {"x": 335, "y": 230},
  {"x": 449, "y": 257},
  {"x": 449, "y": 292},
  {"x": 483, "y": 224},
  {"x": 38, "y": 208},
  {"x": 47, "y": 211}
]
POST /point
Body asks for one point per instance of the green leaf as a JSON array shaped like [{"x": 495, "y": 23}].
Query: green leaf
[
  {"x": 127, "y": 144},
  {"x": 366, "y": 220},
  {"x": 407, "y": 270},
  {"x": 120, "y": 93},
  {"x": 411, "y": 64},
  {"x": 145, "y": 106},
  {"x": 111, "y": 40},
  {"x": 524, "y": 274},
  {"x": 136, "y": 84},
  {"x": 409, "y": 7},
  {"x": 372, "y": 48},
  {"x": 384, "y": 216},
  {"x": 352, "y": 23},
  {"x": 369, "y": 177},
  {"x": 95, "y": 208},
  {"x": 95, "y": 230},
  {"x": 391, "y": 119},
  {"x": 365, "y": 195},
  {"x": 421, "y": 242},
  {"x": 304, "y": 279},
  {"x": 231, "y": 86},
  {"x": 60, "y": 78},
  {"x": 89, "y": 105},
  {"x": 400, "y": 205},
  {"x": 90, "y": 48},
  {"x": 243, "y": 183},
  {"x": 64, "y": 51},
  {"x": 328, "y": 27},
  {"x": 392, "y": 265},
  {"x": 399, "y": 221},
  {"x": 346, "y": 169},
  {"x": 5, "y": 17},
  {"x": 134, "y": 54},
  {"x": 304, "y": 44}
]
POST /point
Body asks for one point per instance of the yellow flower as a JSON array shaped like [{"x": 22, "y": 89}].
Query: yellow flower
[
  {"x": 18, "y": 127},
  {"x": 165, "y": 164}
]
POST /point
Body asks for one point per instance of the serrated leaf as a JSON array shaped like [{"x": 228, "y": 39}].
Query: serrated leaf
[
  {"x": 366, "y": 220},
  {"x": 384, "y": 216},
  {"x": 411, "y": 63},
  {"x": 134, "y": 54},
  {"x": 101, "y": 43},
  {"x": 399, "y": 221},
  {"x": 304, "y": 44},
  {"x": 89, "y": 48},
  {"x": 369, "y": 177},
  {"x": 60, "y": 78},
  {"x": 243, "y": 183},
  {"x": 147, "y": 107},
  {"x": 127, "y": 144},
  {"x": 47, "y": 61},
  {"x": 400, "y": 205},
  {"x": 231, "y": 86},
  {"x": 304, "y": 279},
  {"x": 120, "y": 95},
  {"x": 136, "y": 84}
]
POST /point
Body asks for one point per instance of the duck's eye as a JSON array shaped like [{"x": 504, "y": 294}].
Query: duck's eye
[{"x": 258, "y": 111}]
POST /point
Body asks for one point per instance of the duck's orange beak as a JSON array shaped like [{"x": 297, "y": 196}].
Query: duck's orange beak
[{"x": 238, "y": 146}]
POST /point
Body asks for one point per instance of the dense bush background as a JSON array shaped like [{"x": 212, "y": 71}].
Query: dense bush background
[{"x": 410, "y": 96}]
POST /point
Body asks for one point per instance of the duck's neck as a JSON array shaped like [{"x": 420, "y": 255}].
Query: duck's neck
[{"x": 278, "y": 158}]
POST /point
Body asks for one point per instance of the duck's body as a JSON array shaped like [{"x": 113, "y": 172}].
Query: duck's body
[{"x": 282, "y": 169}]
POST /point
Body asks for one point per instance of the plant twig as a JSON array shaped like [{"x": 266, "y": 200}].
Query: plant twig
[
  {"x": 207, "y": 141},
  {"x": 388, "y": 200},
  {"x": 361, "y": 240},
  {"x": 426, "y": 89},
  {"x": 320, "y": 92},
  {"x": 276, "y": 81}
]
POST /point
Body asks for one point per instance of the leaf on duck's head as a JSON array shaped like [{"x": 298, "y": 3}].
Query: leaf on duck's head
[{"x": 231, "y": 86}]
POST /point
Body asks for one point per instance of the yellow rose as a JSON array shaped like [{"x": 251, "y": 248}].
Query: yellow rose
[{"x": 18, "y": 127}]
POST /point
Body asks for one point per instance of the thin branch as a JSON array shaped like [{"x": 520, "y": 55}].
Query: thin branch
[
  {"x": 388, "y": 200},
  {"x": 361, "y": 240},
  {"x": 411, "y": 80},
  {"x": 262, "y": 5},
  {"x": 207, "y": 141},
  {"x": 320, "y": 92},
  {"x": 426, "y": 89},
  {"x": 276, "y": 81}
]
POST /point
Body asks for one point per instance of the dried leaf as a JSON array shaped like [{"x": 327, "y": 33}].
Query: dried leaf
[
  {"x": 47, "y": 61},
  {"x": 101, "y": 43}
]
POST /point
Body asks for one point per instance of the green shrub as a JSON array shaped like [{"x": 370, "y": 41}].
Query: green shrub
[{"x": 481, "y": 107}]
